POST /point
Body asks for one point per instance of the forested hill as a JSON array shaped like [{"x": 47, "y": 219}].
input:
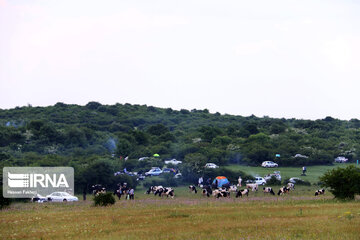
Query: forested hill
[{"x": 60, "y": 134}]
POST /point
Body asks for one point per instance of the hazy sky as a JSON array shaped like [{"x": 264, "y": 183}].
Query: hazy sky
[{"x": 276, "y": 58}]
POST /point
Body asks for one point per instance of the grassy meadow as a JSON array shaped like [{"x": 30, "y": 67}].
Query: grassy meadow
[{"x": 298, "y": 215}]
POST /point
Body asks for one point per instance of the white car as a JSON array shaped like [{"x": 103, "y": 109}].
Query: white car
[
  {"x": 173, "y": 161},
  {"x": 61, "y": 197},
  {"x": 269, "y": 164},
  {"x": 260, "y": 181},
  {"x": 155, "y": 171},
  {"x": 211, "y": 165}
]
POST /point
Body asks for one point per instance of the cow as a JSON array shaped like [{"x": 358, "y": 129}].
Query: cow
[
  {"x": 252, "y": 186},
  {"x": 233, "y": 188},
  {"x": 268, "y": 190},
  {"x": 242, "y": 192},
  {"x": 221, "y": 192},
  {"x": 168, "y": 191},
  {"x": 97, "y": 189},
  {"x": 192, "y": 188},
  {"x": 153, "y": 189},
  {"x": 320, "y": 192},
  {"x": 283, "y": 190},
  {"x": 291, "y": 186},
  {"x": 207, "y": 190}
]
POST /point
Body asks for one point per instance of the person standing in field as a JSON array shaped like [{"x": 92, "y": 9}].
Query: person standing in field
[
  {"x": 200, "y": 182},
  {"x": 304, "y": 170},
  {"x": 239, "y": 181},
  {"x": 131, "y": 194}
]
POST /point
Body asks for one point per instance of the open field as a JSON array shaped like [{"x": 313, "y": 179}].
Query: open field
[
  {"x": 312, "y": 174},
  {"x": 298, "y": 215}
]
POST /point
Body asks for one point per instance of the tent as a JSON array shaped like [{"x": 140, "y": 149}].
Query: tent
[
  {"x": 221, "y": 181},
  {"x": 156, "y": 155}
]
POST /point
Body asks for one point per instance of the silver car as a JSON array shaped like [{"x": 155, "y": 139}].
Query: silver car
[{"x": 61, "y": 197}]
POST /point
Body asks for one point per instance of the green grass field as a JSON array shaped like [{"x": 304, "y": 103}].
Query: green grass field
[{"x": 186, "y": 217}]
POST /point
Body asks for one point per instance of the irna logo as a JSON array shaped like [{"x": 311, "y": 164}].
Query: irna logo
[{"x": 36, "y": 180}]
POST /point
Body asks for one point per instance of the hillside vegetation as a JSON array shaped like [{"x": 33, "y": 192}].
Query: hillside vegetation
[{"x": 86, "y": 136}]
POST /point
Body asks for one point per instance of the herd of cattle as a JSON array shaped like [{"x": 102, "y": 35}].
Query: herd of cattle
[{"x": 207, "y": 190}]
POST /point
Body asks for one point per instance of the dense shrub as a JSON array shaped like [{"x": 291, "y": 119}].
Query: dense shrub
[
  {"x": 104, "y": 199},
  {"x": 344, "y": 183},
  {"x": 273, "y": 181},
  {"x": 4, "y": 202}
]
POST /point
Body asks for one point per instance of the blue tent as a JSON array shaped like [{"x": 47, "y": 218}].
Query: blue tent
[{"x": 221, "y": 180}]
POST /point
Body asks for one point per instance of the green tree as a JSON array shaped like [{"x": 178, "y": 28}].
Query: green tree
[{"x": 344, "y": 183}]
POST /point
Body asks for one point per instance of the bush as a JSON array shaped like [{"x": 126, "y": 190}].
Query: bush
[
  {"x": 4, "y": 202},
  {"x": 273, "y": 181},
  {"x": 104, "y": 199},
  {"x": 344, "y": 183}
]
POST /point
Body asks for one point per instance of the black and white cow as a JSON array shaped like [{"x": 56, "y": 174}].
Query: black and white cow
[
  {"x": 207, "y": 190},
  {"x": 242, "y": 192},
  {"x": 268, "y": 190},
  {"x": 291, "y": 186},
  {"x": 192, "y": 188},
  {"x": 153, "y": 189},
  {"x": 232, "y": 188},
  {"x": 320, "y": 192},
  {"x": 168, "y": 191},
  {"x": 97, "y": 189},
  {"x": 253, "y": 186},
  {"x": 221, "y": 192},
  {"x": 283, "y": 190}
]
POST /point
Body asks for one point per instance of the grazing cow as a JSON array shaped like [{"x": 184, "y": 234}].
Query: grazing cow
[
  {"x": 153, "y": 189},
  {"x": 252, "y": 186},
  {"x": 242, "y": 192},
  {"x": 268, "y": 190},
  {"x": 192, "y": 188},
  {"x": 207, "y": 190},
  {"x": 291, "y": 186},
  {"x": 221, "y": 192},
  {"x": 97, "y": 189},
  {"x": 233, "y": 188},
  {"x": 283, "y": 190},
  {"x": 168, "y": 192},
  {"x": 320, "y": 192}
]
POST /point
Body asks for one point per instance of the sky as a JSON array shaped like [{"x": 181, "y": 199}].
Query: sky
[{"x": 291, "y": 59}]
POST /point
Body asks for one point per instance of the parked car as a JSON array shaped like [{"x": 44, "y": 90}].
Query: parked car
[
  {"x": 61, "y": 197},
  {"x": 260, "y": 180},
  {"x": 276, "y": 175},
  {"x": 341, "y": 159},
  {"x": 39, "y": 198},
  {"x": 173, "y": 161},
  {"x": 211, "y": 165},
  {"x": 140, "y": 177},
  {"x": 178, "y": 175},
  {"x": 155, "y": 171},
  {"x": 294, "y": 180},
  {"x": 269, "y": 164},
  {"x": 257, "y": 180}
]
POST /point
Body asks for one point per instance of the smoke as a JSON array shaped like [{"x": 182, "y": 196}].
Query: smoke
[{"x": 110, "y": 144}]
